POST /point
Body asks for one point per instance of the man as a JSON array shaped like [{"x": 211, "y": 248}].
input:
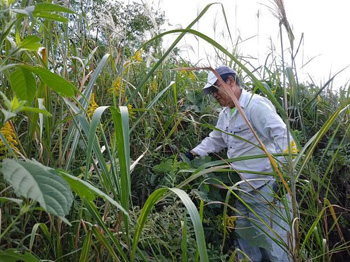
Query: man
[{"x": 262, "y": 236}]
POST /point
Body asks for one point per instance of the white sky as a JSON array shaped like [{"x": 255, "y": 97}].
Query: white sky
[{"x": 324, "y": 24}]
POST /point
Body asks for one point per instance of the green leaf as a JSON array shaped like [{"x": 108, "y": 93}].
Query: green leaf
[
  {"x": 84, "y": 255},
  {"x": 50, "y": 16},
  {"x": 88, "y": 191},
  {"x": 196, "y": 221},
  {"x": 13, "y": 255},
  {"x": 56, "y": 82},
  {"x": 34, "y": 233},
  {"x": 121, "y": 123},
  {"x": 164, "y": 167},
  {"x": 191, "y": 209},
  {"x": 90, "y": 206},
  {"x": 7, "y": 114},
  {"x": 26, "y": 11},
  {"x": 46, "y": 7},
  {"x": 16, "y": 105},
  {"x": 6, "y": 101},
  {"x": 9, "y": 199},
  {"x": 23, "y": 83},
  {"x": 36, "y": 110},
  {"x": 103, "y": 240},
  {"x": 31, "y": 179},
  {"x": 30, "y": 43}
]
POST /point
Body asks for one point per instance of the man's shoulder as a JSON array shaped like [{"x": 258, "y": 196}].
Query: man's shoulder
[{"x": 258, "y": 102}]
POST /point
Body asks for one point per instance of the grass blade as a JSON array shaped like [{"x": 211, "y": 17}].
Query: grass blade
[
  {"x": 191, "y": 209},
  {"x": 84, "y": 255}
]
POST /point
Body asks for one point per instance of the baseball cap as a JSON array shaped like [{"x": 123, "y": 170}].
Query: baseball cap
[{"x": 222, "y": 70}]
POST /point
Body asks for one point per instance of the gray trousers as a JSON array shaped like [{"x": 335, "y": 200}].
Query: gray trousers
[{"x": 265, "y": 235}]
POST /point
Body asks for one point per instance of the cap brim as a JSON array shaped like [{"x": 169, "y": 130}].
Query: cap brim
[{"x": 211, "y": 81}]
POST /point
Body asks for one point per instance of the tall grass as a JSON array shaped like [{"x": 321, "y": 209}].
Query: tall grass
[{"x": 107, "y": 127}]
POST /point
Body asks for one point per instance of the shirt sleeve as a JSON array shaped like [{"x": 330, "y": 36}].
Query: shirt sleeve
[
  {"x": 270, "y": 125},
  {"x": 213, "y": 143}
]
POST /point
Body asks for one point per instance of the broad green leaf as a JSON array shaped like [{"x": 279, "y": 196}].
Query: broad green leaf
[
  {"x": 36, "y": 110},
  {"x": 31, "y": 179},
  {"x": 50, "y": 16},
  {"x": 88, "y": 191},
  {"x": 46, "y": 7},
  {"x": 13, "y": 255},
  {"x": 54, "y": 81},
  {"x": 31, "y": 43},
  {"x": 23, "y": 83}
]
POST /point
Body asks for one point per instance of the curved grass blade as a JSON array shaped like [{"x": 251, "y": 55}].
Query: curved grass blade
[
  {"x": 121, "y": 124},
  {"x": 222, "y": 49},
  {"x": 160, "y": 61},
  {"x": 13, "y": 255},
  {"x": 73, "y": 134},
  {"x": 191, "y": 209},
  {"x": 104, "y": 241},
  {"x": 196, "y": 221},
  {"x": 84, "y": 255}
]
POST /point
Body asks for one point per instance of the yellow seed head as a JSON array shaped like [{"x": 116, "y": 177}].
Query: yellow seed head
[
  {"x": 154, "y": 86},
  {"x": 293, "y": 148},
  {"x": 117, "y": 87},
  {"x": 10, "y": 134},
  {"x": 92, "y": 106},
  {"x": 137, "y": 56}
]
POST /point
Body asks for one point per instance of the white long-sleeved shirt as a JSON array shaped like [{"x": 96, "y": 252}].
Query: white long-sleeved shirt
[{"x": 268, "y": 125}]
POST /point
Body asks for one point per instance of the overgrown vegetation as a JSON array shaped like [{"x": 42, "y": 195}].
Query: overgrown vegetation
[{"x": 94, "y": 118}]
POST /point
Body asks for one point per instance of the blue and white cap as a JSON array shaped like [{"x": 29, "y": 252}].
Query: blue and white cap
[{"x": 222, "y": 70}]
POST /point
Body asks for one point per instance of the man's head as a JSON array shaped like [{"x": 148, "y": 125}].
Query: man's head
[{"x": 217, "y": 90}]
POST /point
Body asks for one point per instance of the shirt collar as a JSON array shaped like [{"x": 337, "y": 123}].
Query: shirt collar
[{"x": 244, "y": 100}]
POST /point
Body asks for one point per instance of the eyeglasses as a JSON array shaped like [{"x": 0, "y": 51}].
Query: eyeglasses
[{"x": 213, "y": 89}]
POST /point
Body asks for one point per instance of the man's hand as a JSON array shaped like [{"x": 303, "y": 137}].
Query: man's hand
[{"x": 190, "y": 155}]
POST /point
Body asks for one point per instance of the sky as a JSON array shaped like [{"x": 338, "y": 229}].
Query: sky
[{"x": 324, "y": 51}]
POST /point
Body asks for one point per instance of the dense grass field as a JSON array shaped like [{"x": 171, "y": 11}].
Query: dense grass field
[{"x": 95, "y": 114}]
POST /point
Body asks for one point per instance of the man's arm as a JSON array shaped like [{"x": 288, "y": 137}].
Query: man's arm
[
  {"x": 213, "y": 143},
  {"x": 269, "y": 124}
]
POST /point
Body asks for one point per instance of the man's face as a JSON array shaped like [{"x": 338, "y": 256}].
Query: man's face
[{"x": 221, "y": 95}]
